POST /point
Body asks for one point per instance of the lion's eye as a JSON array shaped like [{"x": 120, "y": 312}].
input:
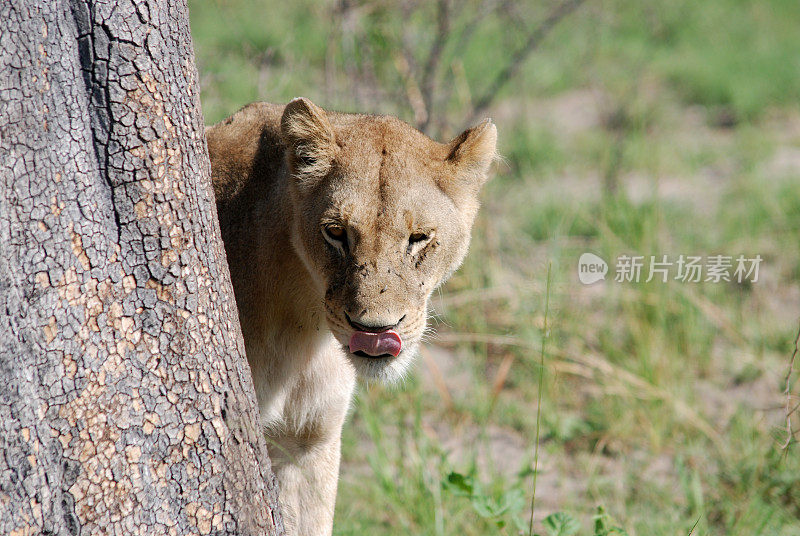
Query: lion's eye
[
  {"x": 335, "y": 233},
  {"x": 336, "y": 236}
]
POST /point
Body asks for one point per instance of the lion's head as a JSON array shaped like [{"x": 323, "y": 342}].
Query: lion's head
[{"x": 382, "y": 216}]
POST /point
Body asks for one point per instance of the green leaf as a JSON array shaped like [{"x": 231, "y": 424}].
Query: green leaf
[
  {"x": 561, "y": 524},
  {"x": 602, "y": 525},
  {"x": 460, "y": 484},
  {"x": 600, "y": 522}
]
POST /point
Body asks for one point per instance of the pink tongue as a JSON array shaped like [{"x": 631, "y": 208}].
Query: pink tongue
[{"x": 375, "y": 344}]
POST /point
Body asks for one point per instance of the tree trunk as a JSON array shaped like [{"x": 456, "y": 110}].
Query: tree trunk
[{"x": 126, "y": 404}]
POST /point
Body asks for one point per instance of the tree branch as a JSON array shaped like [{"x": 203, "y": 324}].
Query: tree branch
[
  {"x": 429, "y": 72},
  {"x": 510, "y": 71}
]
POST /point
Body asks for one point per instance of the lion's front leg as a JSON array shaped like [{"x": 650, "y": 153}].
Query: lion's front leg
[{"x": 308, "y": 473}]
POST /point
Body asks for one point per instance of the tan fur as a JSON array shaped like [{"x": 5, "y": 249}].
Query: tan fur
[{"x": 280, "y": 175}]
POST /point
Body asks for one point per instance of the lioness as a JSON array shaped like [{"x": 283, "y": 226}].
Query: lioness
[{"x": 337, "y": 227}]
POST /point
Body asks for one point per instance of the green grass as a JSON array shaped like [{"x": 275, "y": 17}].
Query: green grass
[
  {"x": 725, "y": 53},
  {"x": 644, "y": 128}
]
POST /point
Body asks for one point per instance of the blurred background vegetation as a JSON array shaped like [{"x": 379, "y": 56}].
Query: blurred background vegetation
[{"x": 646, "y": 128}]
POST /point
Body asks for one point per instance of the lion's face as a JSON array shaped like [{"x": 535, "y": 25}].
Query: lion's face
[{"x": 382, "y": 216}]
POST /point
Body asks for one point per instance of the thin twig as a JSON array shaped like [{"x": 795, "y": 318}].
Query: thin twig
[
  {"x": 462, "y": 40},
  {"x": 428, "y": 82},
  {"x": 413, "y": 93},
  {"x": 406, "y": 64},
  {"x": 792, "y": 410},
  {"x": 512, "y": 68},
  {"x": 788, "y": 392}
]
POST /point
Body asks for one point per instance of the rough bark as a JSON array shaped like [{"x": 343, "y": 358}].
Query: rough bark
[{"x": 126, "y": 404}]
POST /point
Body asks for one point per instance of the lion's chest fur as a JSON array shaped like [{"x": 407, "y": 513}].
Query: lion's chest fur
[{"x": 303, "y": 383}]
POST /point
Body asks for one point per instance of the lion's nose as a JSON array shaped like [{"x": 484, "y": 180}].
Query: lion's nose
[{"x": 371, "y": 325}]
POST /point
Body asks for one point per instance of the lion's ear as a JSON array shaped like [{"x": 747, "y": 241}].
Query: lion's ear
[
  {"x": 471, "y": 153},
  {"x": 309, "y": 137}
]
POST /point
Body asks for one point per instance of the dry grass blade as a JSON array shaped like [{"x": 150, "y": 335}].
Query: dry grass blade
[
  {"x": 501, "y": 375},
  {"x": 715, "y": 315},
  {"x": 589, "y": 366},
  {"x": 788, "y": 392}
]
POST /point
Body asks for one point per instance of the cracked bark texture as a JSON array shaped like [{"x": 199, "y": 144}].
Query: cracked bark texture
[{"x": 126, "y": 404}]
